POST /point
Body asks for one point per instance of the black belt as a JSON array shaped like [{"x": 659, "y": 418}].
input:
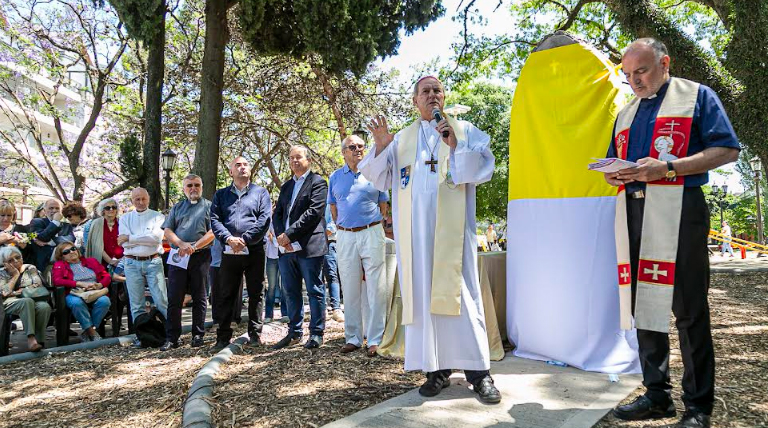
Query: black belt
[
  {"x": 637, "y": 194},
  {"x": 357, "y": 229},
  {"x": 142, "y": 258}
]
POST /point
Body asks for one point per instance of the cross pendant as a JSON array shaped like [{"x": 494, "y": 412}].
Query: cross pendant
[{"x": 431, "y": 162}]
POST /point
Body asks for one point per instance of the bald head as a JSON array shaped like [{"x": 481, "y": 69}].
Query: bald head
[
  {"x": 140, "y": 198},
  {"x": 645, "y": 64},
  {"x": 240, "y": 171}
]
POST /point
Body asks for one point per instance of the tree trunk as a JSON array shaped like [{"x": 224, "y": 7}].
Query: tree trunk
[
  {"x": 212, "y": 86},
  {"x": 330, "y": 93},
  {"x": 153, "y": 113}
]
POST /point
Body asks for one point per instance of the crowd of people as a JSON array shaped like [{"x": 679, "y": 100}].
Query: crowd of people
[{"x": 336, "y": 229}]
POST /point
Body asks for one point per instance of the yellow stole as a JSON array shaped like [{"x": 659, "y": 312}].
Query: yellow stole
[{"x": 447, "y": 278}]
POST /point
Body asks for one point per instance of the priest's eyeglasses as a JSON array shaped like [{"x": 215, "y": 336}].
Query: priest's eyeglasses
[{"x": 355, "y": 147}]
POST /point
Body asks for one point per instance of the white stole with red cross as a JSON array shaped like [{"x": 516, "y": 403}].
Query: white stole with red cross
[{"x": 663, "y": 208}]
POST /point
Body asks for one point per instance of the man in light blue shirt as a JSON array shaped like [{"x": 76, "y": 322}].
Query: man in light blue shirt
[{"x": 358, "y": 209}]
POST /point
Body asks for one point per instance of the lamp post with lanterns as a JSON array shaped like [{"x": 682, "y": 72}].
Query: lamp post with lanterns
[
  {"x": 757, "y": 166},
  {"x": 720, "y": 193},
  {"x": 169, "y": 162},
  {"x": 362, "y": 133}
]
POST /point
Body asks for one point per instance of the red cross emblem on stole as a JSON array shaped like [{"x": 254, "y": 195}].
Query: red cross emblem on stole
[
  {"x": 625, "y": 277},
  {"x": 656, "y": 272}
]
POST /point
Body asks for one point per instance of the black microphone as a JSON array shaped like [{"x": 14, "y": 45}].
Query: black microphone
[{"x": 438, "y": 118}]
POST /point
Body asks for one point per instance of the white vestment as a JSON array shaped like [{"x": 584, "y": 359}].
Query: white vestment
[{"x": 438, "y": 342}]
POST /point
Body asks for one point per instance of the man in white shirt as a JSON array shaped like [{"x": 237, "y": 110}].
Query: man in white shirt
[{"x": 141, "y": 234}]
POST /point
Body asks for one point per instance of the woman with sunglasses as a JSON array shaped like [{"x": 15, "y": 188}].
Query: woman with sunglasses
[
  {"x": 72, "y": 271},
  {"x": 24, "y": 294},
  {"x": 101, "y": 238},
  {"x": 76, "y": 216}
]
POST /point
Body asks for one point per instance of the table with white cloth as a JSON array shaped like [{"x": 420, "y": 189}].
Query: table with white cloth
[{"x": 492, "y": 271}]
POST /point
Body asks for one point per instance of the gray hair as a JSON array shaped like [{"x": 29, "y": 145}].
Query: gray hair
[
  {"x": 307, "y": 153},
  {"x": 659, "y": 48},
  {"x": 350, "y": 137},
  {"x": 416, "y": 85},
  {"x": 102, "y": 204},
  {"x": 191, "y": 176},
  {"x": 6, "y": 252}
]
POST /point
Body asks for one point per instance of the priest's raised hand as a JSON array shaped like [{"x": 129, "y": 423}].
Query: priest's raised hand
[{"x": 380, "y": 131}]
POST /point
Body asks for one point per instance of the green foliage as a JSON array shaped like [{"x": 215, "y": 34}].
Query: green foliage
[
  {"x": 130, "y": 158},
  {"x": 347, "y": 34},
  {"x": 142, "y": 18},
  {"x": 490, "y": 113}
]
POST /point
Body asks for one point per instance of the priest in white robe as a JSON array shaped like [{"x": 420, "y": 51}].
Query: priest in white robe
[{"x": 433, "y": 168}]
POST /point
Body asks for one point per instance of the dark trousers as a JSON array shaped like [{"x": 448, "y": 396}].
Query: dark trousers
[
  {"x": 294, "y": 268},
  {"x": 233, "y": 267},
  {"x": 179, "y": 281},
  {"x": 237, "y": 303},
  {"x": 689, "y": 305},
  {"x": 472, "y": 376}
]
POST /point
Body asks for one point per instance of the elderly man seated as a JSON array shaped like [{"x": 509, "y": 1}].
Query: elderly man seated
[{"x": 24, "y": 294}]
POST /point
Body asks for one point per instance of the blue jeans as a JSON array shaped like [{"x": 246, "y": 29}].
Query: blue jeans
[
  {"x": 294, "y": 268},
  {"x": 88, "y": 317},
  {"x": 726, "y": 247},
  {"x": 141, "y": 273},
  {"x": 274, "y": 287},
  {"x": 331, "y": 274}
]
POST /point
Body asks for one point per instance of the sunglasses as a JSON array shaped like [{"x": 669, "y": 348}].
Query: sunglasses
[
  {"x": 110, "y": 208},
  {"x": 69, "y": 250},
  {"x": 355, "y": 147}
]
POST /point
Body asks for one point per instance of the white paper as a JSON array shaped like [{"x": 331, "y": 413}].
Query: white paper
[
  {"x": 294, "y": 247},
  {"x": 611, "y": 164},
  {"x": 228, "y": 250},
  {"x": 176, "y": 259}
]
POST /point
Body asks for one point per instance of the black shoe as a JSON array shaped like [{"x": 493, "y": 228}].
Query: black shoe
[
  {"x": 693, "y": 418},
  {"x": 137, "y": 344},
  {"x": 487, "y": 391},
  {"x": 254, "y": 340},
  {"x": 168, "y": 345},
  {"x": 314, "y": 342},
  {"x": 288, "y": 340},
  {"x": 642, "y": 409},
  {"x": 197, "y": 341},
  {"x": 436, "y": 382},
  {"x": 220, "y": 344}
]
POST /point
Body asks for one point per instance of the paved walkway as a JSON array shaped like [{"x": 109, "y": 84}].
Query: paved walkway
[
  {"x": 535, "y": 395},
  {"x": 752, "y": 263}
]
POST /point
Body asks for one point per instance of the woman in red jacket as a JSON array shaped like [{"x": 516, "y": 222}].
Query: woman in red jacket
[{"x": 84, "y": 274}]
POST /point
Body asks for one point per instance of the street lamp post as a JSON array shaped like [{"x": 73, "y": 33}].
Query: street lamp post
[
  {"x": 757, "y": 168},
  {"x": 169, "y": 161},
  {"x": 720, "y": 193},
  {"x": 362, "y": 133}
]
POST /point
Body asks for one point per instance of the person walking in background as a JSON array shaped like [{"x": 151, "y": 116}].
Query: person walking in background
[
  {"x": 331, "y": 268},
  {"x": 726, "y": 231}
]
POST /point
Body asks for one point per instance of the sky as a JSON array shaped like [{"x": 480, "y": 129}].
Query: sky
[{"x": 435, "y": 43}]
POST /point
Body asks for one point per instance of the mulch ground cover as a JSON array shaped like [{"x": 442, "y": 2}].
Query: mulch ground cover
[
  {"x": 294, "y": 387},
  {"x": 739, "y": 308}
]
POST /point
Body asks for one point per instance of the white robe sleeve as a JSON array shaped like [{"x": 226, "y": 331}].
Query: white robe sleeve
[
  {"x": 472, "y": 160},
  {"x": 378, "y": 169}
]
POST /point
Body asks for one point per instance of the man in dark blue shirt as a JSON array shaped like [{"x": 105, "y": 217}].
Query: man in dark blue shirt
[
  {"x": 712, "y": 143},
  {"x": 240, "y": 216}
]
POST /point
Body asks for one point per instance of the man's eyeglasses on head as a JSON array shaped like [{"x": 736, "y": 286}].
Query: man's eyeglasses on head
[{"x": 68, "y": 250}]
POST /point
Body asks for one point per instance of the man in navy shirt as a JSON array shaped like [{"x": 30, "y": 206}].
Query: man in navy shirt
[
  {"x": 712, "y": 143},
  {"x": 240, "y": 217},
  {"x": 357, "y": 209}
]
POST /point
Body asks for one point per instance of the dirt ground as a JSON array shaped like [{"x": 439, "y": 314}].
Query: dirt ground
[
  {"x": 739, "y": 307},
  {"x": 124, "y": 387}
]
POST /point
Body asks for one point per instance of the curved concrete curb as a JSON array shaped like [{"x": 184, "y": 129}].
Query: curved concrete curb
[
  {"x": 738, "y": 270},
  {"x": 121, "y": 340},
  {"x": 197, "y": 409}
]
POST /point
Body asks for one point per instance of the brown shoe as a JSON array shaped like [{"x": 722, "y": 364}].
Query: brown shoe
[
  {"x": 371, "y": 352},
  {"x": 348, "y": 347}
]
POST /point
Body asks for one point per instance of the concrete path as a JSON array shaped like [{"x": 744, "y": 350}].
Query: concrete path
[
  {"x": 535, "y": 395},
  {"x": 737, "y": 265}
]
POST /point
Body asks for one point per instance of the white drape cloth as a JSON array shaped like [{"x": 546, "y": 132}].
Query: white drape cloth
[{"x": 437, "y": 342}]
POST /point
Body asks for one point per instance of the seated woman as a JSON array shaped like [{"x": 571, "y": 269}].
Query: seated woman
[
  {"x": 84, "y": 274},
  {"x": 24, "y": 294},
  {"x": 10, "y": 232}
]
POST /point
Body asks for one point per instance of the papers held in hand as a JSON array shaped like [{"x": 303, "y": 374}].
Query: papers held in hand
[
  {"x": 228, "y": 250},
  {"x": 294, "y": 247},
  {"x": 611, "y": 164}
]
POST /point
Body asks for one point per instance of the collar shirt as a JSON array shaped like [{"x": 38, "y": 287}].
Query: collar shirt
[
  {"x": 240, "y": 192},
  {"x": 272, "y": 249},
  {"x": 145, "y": 233},
  {"x": 297, "y": 183},
  {"x": 189, "y": 221},
  {"x": 356, "y": 200},
  {"x": 711, "y": 128},
  {"x": 330, "y": 225}
]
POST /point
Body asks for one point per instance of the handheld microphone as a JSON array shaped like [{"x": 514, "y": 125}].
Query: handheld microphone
[{"x": 439, "y": 117}]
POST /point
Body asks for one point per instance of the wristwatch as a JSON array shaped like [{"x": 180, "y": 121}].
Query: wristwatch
[{"x": 671, "y": 173}]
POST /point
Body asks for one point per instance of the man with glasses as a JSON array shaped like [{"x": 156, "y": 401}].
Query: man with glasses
[
  {"x": 188, "y": 230},
  {"x": 50, "y": 231},
  {"x": 358, "y": 209},
  {"x": 141, "y": 235}
]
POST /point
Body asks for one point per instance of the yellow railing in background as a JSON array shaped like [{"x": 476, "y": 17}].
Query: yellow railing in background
[{"x": 738, "y": 243}]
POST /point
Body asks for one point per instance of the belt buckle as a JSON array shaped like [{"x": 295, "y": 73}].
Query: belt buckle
[{"x": 639, "y": 194}]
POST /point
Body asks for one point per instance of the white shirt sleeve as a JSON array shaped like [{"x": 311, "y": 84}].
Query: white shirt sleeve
[
  {"x": 472, "y": 160},
  {"x": 378, "y": 169}
]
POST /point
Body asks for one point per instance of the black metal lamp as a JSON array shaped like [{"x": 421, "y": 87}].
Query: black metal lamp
[{"x": 168, "y": 163}]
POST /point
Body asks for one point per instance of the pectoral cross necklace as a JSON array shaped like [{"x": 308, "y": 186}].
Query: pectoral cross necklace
[{"x": 432, "y": 162}]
